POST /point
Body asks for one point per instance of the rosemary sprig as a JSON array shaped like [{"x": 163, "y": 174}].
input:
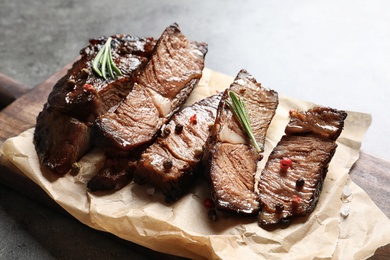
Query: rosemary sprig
[
  {"x": 238, "y": 108},
  {"x": 104, "y": 59}
]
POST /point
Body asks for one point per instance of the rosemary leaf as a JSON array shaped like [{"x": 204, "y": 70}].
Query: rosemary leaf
[
  {"x": 110, "y": 62},
  {"x": 114, "y": 67},
  {"x": 104, "y": 60},
  {"x": 238, "y": 107},
  {"x": 96, "y": 61}
]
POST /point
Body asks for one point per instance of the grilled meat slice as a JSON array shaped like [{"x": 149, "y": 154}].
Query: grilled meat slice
[
  {"x": 164, "y": 85},
  {"x": 60, "y": 140},
  {"x": 134, "y": 123},
  {"x": 230, "y": 159},
  {"x": 171, "y": 163},
  {"x": 288, "y": 191},
  {"x": 83, "y": 94},
  {"x": 232, "y": 172},
  {"x": 62, "y": 133}
]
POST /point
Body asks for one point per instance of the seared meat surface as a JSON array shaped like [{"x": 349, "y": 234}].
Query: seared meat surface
[
  {"x": 278, "y": 187},
  {"x": 230, "y": 159},
  {"x": 60, "y": 140},
  {"x": 307, "y": 148},
  {"x": 322, "y": 121},
  {"x": 232, "y": 171},
  {"x": 171, "y": 163},
  {"x": 134, "y": 123},
  {"x": 83, "y": 94},
  {"x": 62, "y": 133},
  {"x": 261, "y": 104},
  {"x": 162, "y": 87}
]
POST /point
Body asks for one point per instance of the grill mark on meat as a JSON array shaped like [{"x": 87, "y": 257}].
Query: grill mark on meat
[
  {"x": 165, "y": 89},
  {"x": 310, "y": 144},
  {"x": 62, "y": 133},
  {"x": 182, "y": 148},
  {"x": 230, "y": 159}
]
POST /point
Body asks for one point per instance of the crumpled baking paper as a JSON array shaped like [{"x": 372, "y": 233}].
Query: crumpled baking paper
[{"x": 183, "y": 228}]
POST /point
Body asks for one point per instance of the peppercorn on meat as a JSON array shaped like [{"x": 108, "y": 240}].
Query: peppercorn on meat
[
  {"x": 63, "y": 128},
  {"x": 171, "y": 163},
  {"x": 292, "y": 180},
  {"x": 82, "y": 93},
  {"x": 166, "y": 82}
]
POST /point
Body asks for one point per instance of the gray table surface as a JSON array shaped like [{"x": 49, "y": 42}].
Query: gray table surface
[{"x": 333, "y": 53}]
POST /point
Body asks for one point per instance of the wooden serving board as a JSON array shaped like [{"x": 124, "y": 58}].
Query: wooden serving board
[{"x": 22, "y": 105}]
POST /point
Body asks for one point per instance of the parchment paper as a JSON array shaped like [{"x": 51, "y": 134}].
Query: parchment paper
[{"x": 184, "y": 229}]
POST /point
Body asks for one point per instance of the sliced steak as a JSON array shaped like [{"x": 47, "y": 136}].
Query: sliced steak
[
  {"x": 292, "y": 180},
  {"x": 83, "y": 94},
  {"x": 230, "y": 159},
  {"x": 62, "y": 133},
  {"x": 134, "y": 123},
  {"x": 163, "y": 86},
  {"x": 60, "y": 140},
  {"x": 171, "y": 163}
]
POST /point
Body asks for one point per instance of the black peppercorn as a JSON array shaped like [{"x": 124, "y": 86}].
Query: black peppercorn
[
  {"x": 167, "y": 164},
  {"x": 84, "y": 73},
  {"x": 300, "y": 182},
  {"x": 178, "y": 128},
  {"x": 279, "y": 207},
  {"x": 71, "y": 82}
]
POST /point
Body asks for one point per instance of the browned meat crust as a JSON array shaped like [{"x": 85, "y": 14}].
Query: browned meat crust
[
  {"x": 171, "y": 163},
  {"x": 309, "y": 144},
  {"x": 83, "y": 94},
  {"x": 60, "y": 140},
  {"x": 163, "y": 86},
  {"x": 230, "y": 159},
  {"x": 62, "y": 133},
  {"x": 322, "y": 121}
]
